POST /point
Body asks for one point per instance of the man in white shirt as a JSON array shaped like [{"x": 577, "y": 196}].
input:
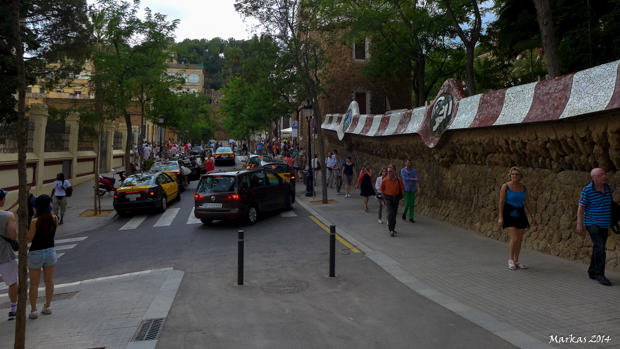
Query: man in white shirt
[
  {"x": 147, "y": 151},
  {"x": 329, "y": 163}
]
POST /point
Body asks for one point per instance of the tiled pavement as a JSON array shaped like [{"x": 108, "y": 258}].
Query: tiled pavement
[
  {"x": 469, "y": 274},
  {"x": 105, "y": 312}
]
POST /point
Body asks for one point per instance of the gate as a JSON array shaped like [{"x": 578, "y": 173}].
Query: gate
[{"x": 103, "y": 153}]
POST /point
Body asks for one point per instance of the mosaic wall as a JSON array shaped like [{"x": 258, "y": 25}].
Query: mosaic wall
[{"x": 589, "y": 91}]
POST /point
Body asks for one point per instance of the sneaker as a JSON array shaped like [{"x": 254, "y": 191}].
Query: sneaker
[
  {"x": 46, "y": 311},
  {"x": 411, "y": 220},
  {"x": 380, "y": 222},
  {"x": 337, "y": 193},
  {"x": 395, "y": 232},
  {"x": 11, "y": 315},
  {"x": 392, "y": 233},
  {"x": 34, "y": 315},
  {"x": 404, "y": 217}
]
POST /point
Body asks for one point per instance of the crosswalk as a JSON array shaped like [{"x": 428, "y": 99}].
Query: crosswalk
[
  {"x": 165, "y": 219},
  {"x": 60, "y": 245}
]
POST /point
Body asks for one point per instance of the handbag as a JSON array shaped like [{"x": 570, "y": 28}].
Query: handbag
[
  {"x": 69, "y": 191},
  {"x": 13, "y": 243}
]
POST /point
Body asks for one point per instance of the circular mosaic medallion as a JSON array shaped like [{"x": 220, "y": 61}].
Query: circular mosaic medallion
[
  {"x": 284, "y": 286},
  {"x": 441, "y": 114}
]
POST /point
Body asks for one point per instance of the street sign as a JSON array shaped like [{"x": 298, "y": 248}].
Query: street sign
[
  {"x": 294, "y": 125},
  {"x": 294, "y": 133}
]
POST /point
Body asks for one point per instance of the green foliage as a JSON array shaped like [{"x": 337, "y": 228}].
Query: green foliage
[
  {"x": 262, "y": 92},
  {"x": 148, "y": 163}
]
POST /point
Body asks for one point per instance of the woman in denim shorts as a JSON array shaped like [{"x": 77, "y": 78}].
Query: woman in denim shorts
[{"x": 42, "y": 253}]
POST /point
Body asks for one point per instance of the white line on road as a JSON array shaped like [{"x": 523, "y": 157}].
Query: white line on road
[
  {"x": 167, "y": 218},
  {"x": 58, "y": 255},
  {"x": 192, "y": 219},
  {"x": 62, "y": 241},
  {"x": 134, "y": 222},
  {"x": 65, "y": 247},
  {"x": 288, "y": 214}
]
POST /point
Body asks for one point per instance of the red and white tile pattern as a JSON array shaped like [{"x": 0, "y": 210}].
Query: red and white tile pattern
[{"x": 571, "y": 95}]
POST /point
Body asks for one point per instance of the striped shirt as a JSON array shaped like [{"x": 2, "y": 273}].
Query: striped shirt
[{"x": 597, "y": 206}]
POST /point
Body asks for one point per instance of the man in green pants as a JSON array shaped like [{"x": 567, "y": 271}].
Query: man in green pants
[{"x": 412, "y": 187}]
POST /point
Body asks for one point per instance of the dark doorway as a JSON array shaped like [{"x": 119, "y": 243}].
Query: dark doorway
[{"x": 360, "y": 98}]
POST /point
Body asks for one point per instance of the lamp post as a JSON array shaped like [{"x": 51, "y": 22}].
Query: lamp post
[{"x": 309, "y": 112}]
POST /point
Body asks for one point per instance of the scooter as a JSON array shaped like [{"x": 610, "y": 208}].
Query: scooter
[{"x": 106, "y": 185}]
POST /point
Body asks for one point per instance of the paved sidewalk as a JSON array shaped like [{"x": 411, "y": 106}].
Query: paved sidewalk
[
  {"x": 103, "y": 312},
  {"x": 468, "y": 274}
]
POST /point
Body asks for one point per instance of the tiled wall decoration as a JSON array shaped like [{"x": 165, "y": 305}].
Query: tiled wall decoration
[{"x": 571, "y": 95}]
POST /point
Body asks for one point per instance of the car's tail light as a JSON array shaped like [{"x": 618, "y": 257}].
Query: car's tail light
[
  {"x": 232, "y": 197},
  {"x": 287, "y": 176},
  {"x": 199, "y": 197},
  {"x": 115, "y": 196},
  {"x": 233, "y": 155},
  {"x": 217, "y": 156}
]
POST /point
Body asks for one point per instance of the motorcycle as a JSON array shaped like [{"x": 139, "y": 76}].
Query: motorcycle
[{"x": 107, "y": 184}]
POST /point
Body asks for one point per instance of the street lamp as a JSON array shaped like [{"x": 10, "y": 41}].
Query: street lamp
[{"x": 309, "y": 112}]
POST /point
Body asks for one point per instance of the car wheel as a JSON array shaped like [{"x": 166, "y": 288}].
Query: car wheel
[
  {"x": 252, "y": 215},
  {"x": 164, "y": 204},
  {"x": 206, "y": 221},
  {"x": 287, "y": 205}
]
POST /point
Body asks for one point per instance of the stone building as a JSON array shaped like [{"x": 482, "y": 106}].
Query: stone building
[
  {"x": 556, "y": 131},
  {"x": 193, "y": 75}
]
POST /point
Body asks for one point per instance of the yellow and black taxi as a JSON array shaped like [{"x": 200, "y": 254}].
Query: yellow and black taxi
[
  {"x": 172, "y": 169},
  {"x": 146, "y": 191},
  {"x": 257, "y": 160},
  {"x": 241, "y": 194},
  {"x": 224, "y": 155},
  {"x": 281, "y": 168}
]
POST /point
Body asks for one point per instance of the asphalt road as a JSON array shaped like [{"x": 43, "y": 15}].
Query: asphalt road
[{"x": 363, "y": 307}]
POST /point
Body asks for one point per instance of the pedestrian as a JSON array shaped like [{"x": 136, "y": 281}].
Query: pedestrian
[
  {"x": 259, "y": 147},
  {"x": 316, "y": 166},
  {"x": 210, "y": 166},
  {"x": 393, "y": 192},
  {"x": 245, "y": 149},
  {"x": 174, "y": 150},
  {"x": 42, "y": 254},
  {"x": 295, "y": 167},
  {"x": 364, "y": 183},
  {"x": 329, "y": 163},
  {"x": 379, "y": 196},
  {"x": 8, "y": 260},
  {"x": 513, "y": 197},
  {"x": 59, "y": 195},
  {"x": 594, "y": 213},
  {"x": 147, "y": 151},
  {"x": 348, "y": 171},
  {"x": 412, "y": 187},
  {"x": 203, "y": 166},
  {"x": 288, "y": 158},
  {"x": 337, "y": 171}
]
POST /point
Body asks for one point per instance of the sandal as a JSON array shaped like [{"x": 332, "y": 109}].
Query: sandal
[
  {"x": 366, "y": 209},
  {"x": 511, "y": 264},
  {"x": 520, "y": 266}
]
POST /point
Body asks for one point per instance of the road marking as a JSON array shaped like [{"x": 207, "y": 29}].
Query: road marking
[
  {"x": 167, "y": 218},
  {"x": 62, "y": 241},
  {"x": 65, "y": 247},
  {"x": 343, "y": 241},
  {"x": 288, "y": 214},
  {"x": 134, "y": 222},
  {"x": 58, "y": 255},
  {"x": 192, "y": 219}
]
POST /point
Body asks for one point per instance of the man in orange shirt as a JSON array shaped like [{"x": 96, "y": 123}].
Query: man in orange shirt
[{"x": 393, "y": 190}]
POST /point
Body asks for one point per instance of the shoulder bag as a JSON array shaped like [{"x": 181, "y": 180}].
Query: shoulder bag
[{"x": 13, "y": 243}]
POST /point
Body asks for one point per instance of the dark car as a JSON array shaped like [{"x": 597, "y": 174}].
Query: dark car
[
  {"x": 258, "y": 160},
  {"x": 146, "y": 191},
  {"x": 197, "y": 150},
  {"x": 193, "y": 166},
  {"x": 241, "y": 194}
]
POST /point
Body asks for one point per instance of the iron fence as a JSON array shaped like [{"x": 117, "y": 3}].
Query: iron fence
[
  {"x": 85, "y": 140},
  {"x": 57, "y": 136},
  {"x": 8, "y": 137},
  {"x": 118, "y": 140}
]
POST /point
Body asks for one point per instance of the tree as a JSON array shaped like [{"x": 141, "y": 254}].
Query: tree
[
  {"x": 462, "y": 13},
  {"x": 296, "y": 23},
  {"x": 36, "y": 34},
  {"x": 545, "y": 22},
  {"x": 132, "y": 56}
]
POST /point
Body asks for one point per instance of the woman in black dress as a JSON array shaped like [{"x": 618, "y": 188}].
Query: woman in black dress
[{"x": 365, "y": 183}]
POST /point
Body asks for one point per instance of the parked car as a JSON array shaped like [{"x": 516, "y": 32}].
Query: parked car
[
  {"x": 173, "y": 169},
  {"x": 146, "y": 191},
  {"x": 197, "y": 150},
  {"x": 241, "y": 194},
  {"x": 258, "y": 160},
  {"x": 224, "y": 155}
]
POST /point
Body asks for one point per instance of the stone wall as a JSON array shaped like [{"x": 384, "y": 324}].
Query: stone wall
[{"x": 462, "y": 176}]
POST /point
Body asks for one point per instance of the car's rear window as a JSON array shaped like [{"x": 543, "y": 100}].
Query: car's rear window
[
  {"x": 169, "y": 166},
  {"x": 216, "y": 184},
  {"x": 224, "y": 150},
  {"x": 197, "y": 148},
  {"x": 138, "y": 180},
  {"x": 279, "y": 168}
]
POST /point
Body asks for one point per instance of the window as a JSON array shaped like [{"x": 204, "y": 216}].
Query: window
[
  {"x": 58, "y": 90},
  {"x": 213, "y": 184},
  {"x": 193, "y": 77},
  {"x": 273, "y": 179},
  {"x": 257, "y": 179},
  {"x": 41, "y": 90},
  {"x": 77, "y": 92},
  {"x": 184, "y": 76},
  {"x": 360, "y": 49},
  {"x": 28, "y": 89}
]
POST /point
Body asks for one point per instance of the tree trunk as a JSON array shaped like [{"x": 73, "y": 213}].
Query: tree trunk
[
  {"x": 20, "y": 323},
  {"x": 471, "y": 82},
  {"x": 545, "y": 22},
  {"x": 128, "y": 144},
  {"x": 420, "y": 73}
]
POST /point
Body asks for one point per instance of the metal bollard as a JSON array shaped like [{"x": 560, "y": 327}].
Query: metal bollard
[
  {"x": 240, "y": 260},
  {"x": 332, "y": 251}
]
